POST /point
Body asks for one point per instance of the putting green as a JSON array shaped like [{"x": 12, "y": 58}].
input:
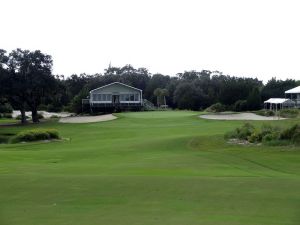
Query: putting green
[{"x": 148, "y": 168}]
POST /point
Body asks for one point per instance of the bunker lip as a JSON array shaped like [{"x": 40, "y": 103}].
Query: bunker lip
[
  {"x": 239, "y": 116},
  {"x": 87, "y": 119}
]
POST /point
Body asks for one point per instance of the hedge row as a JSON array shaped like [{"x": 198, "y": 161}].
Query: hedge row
[{"x": 35, "y": 135}]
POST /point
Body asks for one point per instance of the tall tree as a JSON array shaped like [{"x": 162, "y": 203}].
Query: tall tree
[
  {"x": 254, "y": 99},
  {"x": 158, "y": 92},
  {"x": 33, "y": 70},
  {"x": 164, "y": 94}
]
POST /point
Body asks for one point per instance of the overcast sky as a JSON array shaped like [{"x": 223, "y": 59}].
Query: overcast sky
[{"x": 258, "y": 38}]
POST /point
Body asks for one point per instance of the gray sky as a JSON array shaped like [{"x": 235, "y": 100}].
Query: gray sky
[{"x": 258, "y": 38}]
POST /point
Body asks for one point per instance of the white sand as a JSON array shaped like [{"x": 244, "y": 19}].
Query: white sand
[
  {"x": 44, "y": 113},
  {"x": 87, "y": 119},
  {"x": 239, "y": 116}
]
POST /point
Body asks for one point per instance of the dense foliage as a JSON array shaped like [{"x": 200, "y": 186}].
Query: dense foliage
[
  {"x": 27, "y": 83},
  {"x": 35, "y": 135},
  {"x": 266, "y": 134}
]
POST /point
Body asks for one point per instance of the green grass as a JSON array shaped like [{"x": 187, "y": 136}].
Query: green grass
[
  {"x": 8, "y": 121},
  {"x": 148, "y": 168}
]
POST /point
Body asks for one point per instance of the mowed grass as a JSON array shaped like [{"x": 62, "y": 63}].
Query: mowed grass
[
  {"x": 8, "y": 121},
  {"x": 148, "y": 168}
]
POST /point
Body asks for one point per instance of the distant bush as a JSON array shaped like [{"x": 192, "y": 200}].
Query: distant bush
[
  {"x": 6, "y": 115},
  {"x": 266, "y": 134},
  {"x": 53, "y": 108},
  {"x": 289, "y": 113},
  {"x": 19, "y": 117},
  {"x": 66, "y": 108},
  {"x": 217, "y": 107},
  {"x": 40, "y": 116},
  {"x": 54, "y": 117},
  {"x": 241, "y": 132},
  {"x": 239, "y": 106},
  {"x": 264, "y": 112},
  {"x": 35, "y": 135},
  {"x": 5, "y": 108},
  {"x": 42, "y": 107},
  {"x": 292, "y": 133}
]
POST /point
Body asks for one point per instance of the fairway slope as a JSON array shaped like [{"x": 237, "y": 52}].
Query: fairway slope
[{"x": 149, "y": 168}]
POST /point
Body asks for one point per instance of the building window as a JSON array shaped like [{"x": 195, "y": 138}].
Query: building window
[
  {"x": 127, "y": 97},
  {"x": 131, "y": 97},
  {"x": 136, "y": 97}
]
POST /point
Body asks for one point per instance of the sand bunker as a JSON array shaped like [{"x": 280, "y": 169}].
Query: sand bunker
[
  {"x": 44, "y": 113},
  {"x": 239, "y": 116},
  {"x": 87, "y": 119}
]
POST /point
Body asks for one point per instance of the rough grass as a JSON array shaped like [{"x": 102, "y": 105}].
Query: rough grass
[{"x": 148, "y": 168}]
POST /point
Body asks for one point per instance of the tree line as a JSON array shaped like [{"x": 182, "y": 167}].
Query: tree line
[{"x": 27, "y": 83}]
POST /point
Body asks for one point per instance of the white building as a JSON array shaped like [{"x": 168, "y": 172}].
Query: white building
[
  {"x": 115, "y": 96},
  {"x": 294, "y": 95}
]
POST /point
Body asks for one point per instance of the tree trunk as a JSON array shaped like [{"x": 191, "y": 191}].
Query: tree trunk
[
  {"x": 23, "y": 115},
  {"x": 35, "y": 117}
]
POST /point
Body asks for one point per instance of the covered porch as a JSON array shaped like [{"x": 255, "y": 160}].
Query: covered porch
[{"x": 278, "y": 103}]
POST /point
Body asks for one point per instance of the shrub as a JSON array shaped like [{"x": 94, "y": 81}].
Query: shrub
[
  {"x": 292, "y": 134},
  {"x": 271, "y": 137},
  {"x": 42, "y": 107},
  {"x": 245, "y": 131},
  {"x": 288, "y": 133},
  {"x": 53, "y": 134},
  {"x": 40, "y": 116},
  {"x": 53, "y": 108},
  {"x": 289, "y": 113},
  {"x": 265, "y": 112},
  {"x": 19, "y": 117},
  {"x": 240, "y": 105},
  {"x": 217, "y": 107},
  {"x": 54, "y": 116},
  {"x": 242, "y": 133},
  {"x": 36, "y": 135},
  {"x": 269, "y": 113},
  {"x": 255, "y": 137},
  {"x": 296, "y": 138},
  {"x": 7, "y": 115},
  {"x": 267, "y": 134}
]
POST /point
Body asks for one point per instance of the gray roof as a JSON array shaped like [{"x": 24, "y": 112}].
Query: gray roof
[{"x": 116, "y": 83}]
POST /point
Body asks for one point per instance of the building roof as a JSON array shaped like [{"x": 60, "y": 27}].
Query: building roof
[
  {"x": 115, "y": 83},
  {"x": 277, "y": 100},
  {"x": 295, "y": 90}
]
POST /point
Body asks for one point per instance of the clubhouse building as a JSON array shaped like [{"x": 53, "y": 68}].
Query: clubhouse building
[{"x": 115, "y": 97}]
